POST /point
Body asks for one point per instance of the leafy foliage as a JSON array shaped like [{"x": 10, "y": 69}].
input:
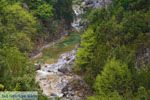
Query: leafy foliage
[
  {"x": 18, "y": 19},
  {"x": 114, "y": 77},
  {"x": 15, "y": 66},
  {"x": 64, "y": 10},
  {"x": 24, "y": 23},
  {"x": 111, "y": 96},
  {"x": 44, "y": 11},
  {"x": 110, "y": 50}
]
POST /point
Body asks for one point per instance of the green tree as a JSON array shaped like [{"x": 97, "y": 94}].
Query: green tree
[
  {"x": 142, "y": 94},
  {"x": 20, "y": 40},
  {"x": 17, "y": 19},
  {"x": 44, "y": 11},
  {"x": 111, "y": 96},
  {"x": 84, "y": 54},
  {"x": 1, "y": 87},
  {"x": 63, "y": 10},
  {"x": 115, "y": 77},
  {"x": 14, "y": 64},
  {"x": 120, "y": 31}
]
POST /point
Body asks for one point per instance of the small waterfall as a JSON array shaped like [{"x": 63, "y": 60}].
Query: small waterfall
[
  {"x": 81, "y": 7},
  {"x": 78, "y": 11}
]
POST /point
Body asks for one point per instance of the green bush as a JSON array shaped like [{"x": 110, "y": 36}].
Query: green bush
[
  {"x": 1, "y": 87},
  {"x": 115, "y": 77}
]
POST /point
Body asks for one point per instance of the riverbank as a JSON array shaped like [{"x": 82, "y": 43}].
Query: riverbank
[
  {"x": 50, "y": 53},
  {"x": 58, "y": 79},
  {"x": 55, "y": 75}
]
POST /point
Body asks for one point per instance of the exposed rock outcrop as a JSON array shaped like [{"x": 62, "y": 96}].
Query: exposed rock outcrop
[
  {"x": 80, "y": 7},
  {"x": 142, "y": 57},
  {"x": 58, "y": 80}
]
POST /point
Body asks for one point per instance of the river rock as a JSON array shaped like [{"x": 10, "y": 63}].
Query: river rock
[
  {"x": 64, "y": 71},
  {"x": 58, "y": 80},
  {"x": 53, "y": 94},
  {"x": 76, "y": 88},
  {"x": 37, "y": 66}
]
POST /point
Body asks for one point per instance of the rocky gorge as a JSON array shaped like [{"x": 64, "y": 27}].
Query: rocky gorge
[{"x": 57, "y": 80}]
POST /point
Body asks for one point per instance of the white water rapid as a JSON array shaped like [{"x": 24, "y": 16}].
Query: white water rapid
[
  {"x": 78, "y": 11},
  {"x": 57, "y": 80}
]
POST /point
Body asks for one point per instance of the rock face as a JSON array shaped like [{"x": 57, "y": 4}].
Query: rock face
[
  {"x": 58, "y": 80},
  {"x": 80, "y": 7},
  {"x": 78, "y": 10},
  {"x": 76, "y": 89},
  {"x": 37, "y": 66},
  {"x": 142, "y": 57},
  {"x": 97, "y": 3}
]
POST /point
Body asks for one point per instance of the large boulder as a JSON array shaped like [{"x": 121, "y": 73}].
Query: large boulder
[{"x": 76, "y": 88}]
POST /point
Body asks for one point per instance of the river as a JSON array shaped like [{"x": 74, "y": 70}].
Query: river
[{"x": 58, "y": 79}]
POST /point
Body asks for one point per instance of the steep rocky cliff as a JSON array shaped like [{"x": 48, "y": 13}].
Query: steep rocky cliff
[{"x": 80, "y": 7}]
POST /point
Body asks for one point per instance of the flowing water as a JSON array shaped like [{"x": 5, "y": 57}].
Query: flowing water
[
  {"x": 78, "y": 11},
  {"x": 58, "y": 80}
]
